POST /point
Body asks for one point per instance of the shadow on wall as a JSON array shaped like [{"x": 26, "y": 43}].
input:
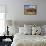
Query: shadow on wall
[{"x": 21, "y": 23}]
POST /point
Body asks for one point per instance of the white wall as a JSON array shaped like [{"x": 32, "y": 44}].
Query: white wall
[{"x": 15, "y": 9}]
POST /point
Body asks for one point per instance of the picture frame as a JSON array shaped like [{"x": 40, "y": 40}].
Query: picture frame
[{"x": 30, "y": 9}]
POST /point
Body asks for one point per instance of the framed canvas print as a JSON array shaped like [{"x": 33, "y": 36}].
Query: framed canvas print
[{"x": 30, "y": 9}]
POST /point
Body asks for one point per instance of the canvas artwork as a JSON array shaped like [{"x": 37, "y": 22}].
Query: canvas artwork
[{"x": 30, "y": 9}]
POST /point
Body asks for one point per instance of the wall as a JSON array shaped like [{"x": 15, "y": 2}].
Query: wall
[{"x": 15, "y": 9}]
